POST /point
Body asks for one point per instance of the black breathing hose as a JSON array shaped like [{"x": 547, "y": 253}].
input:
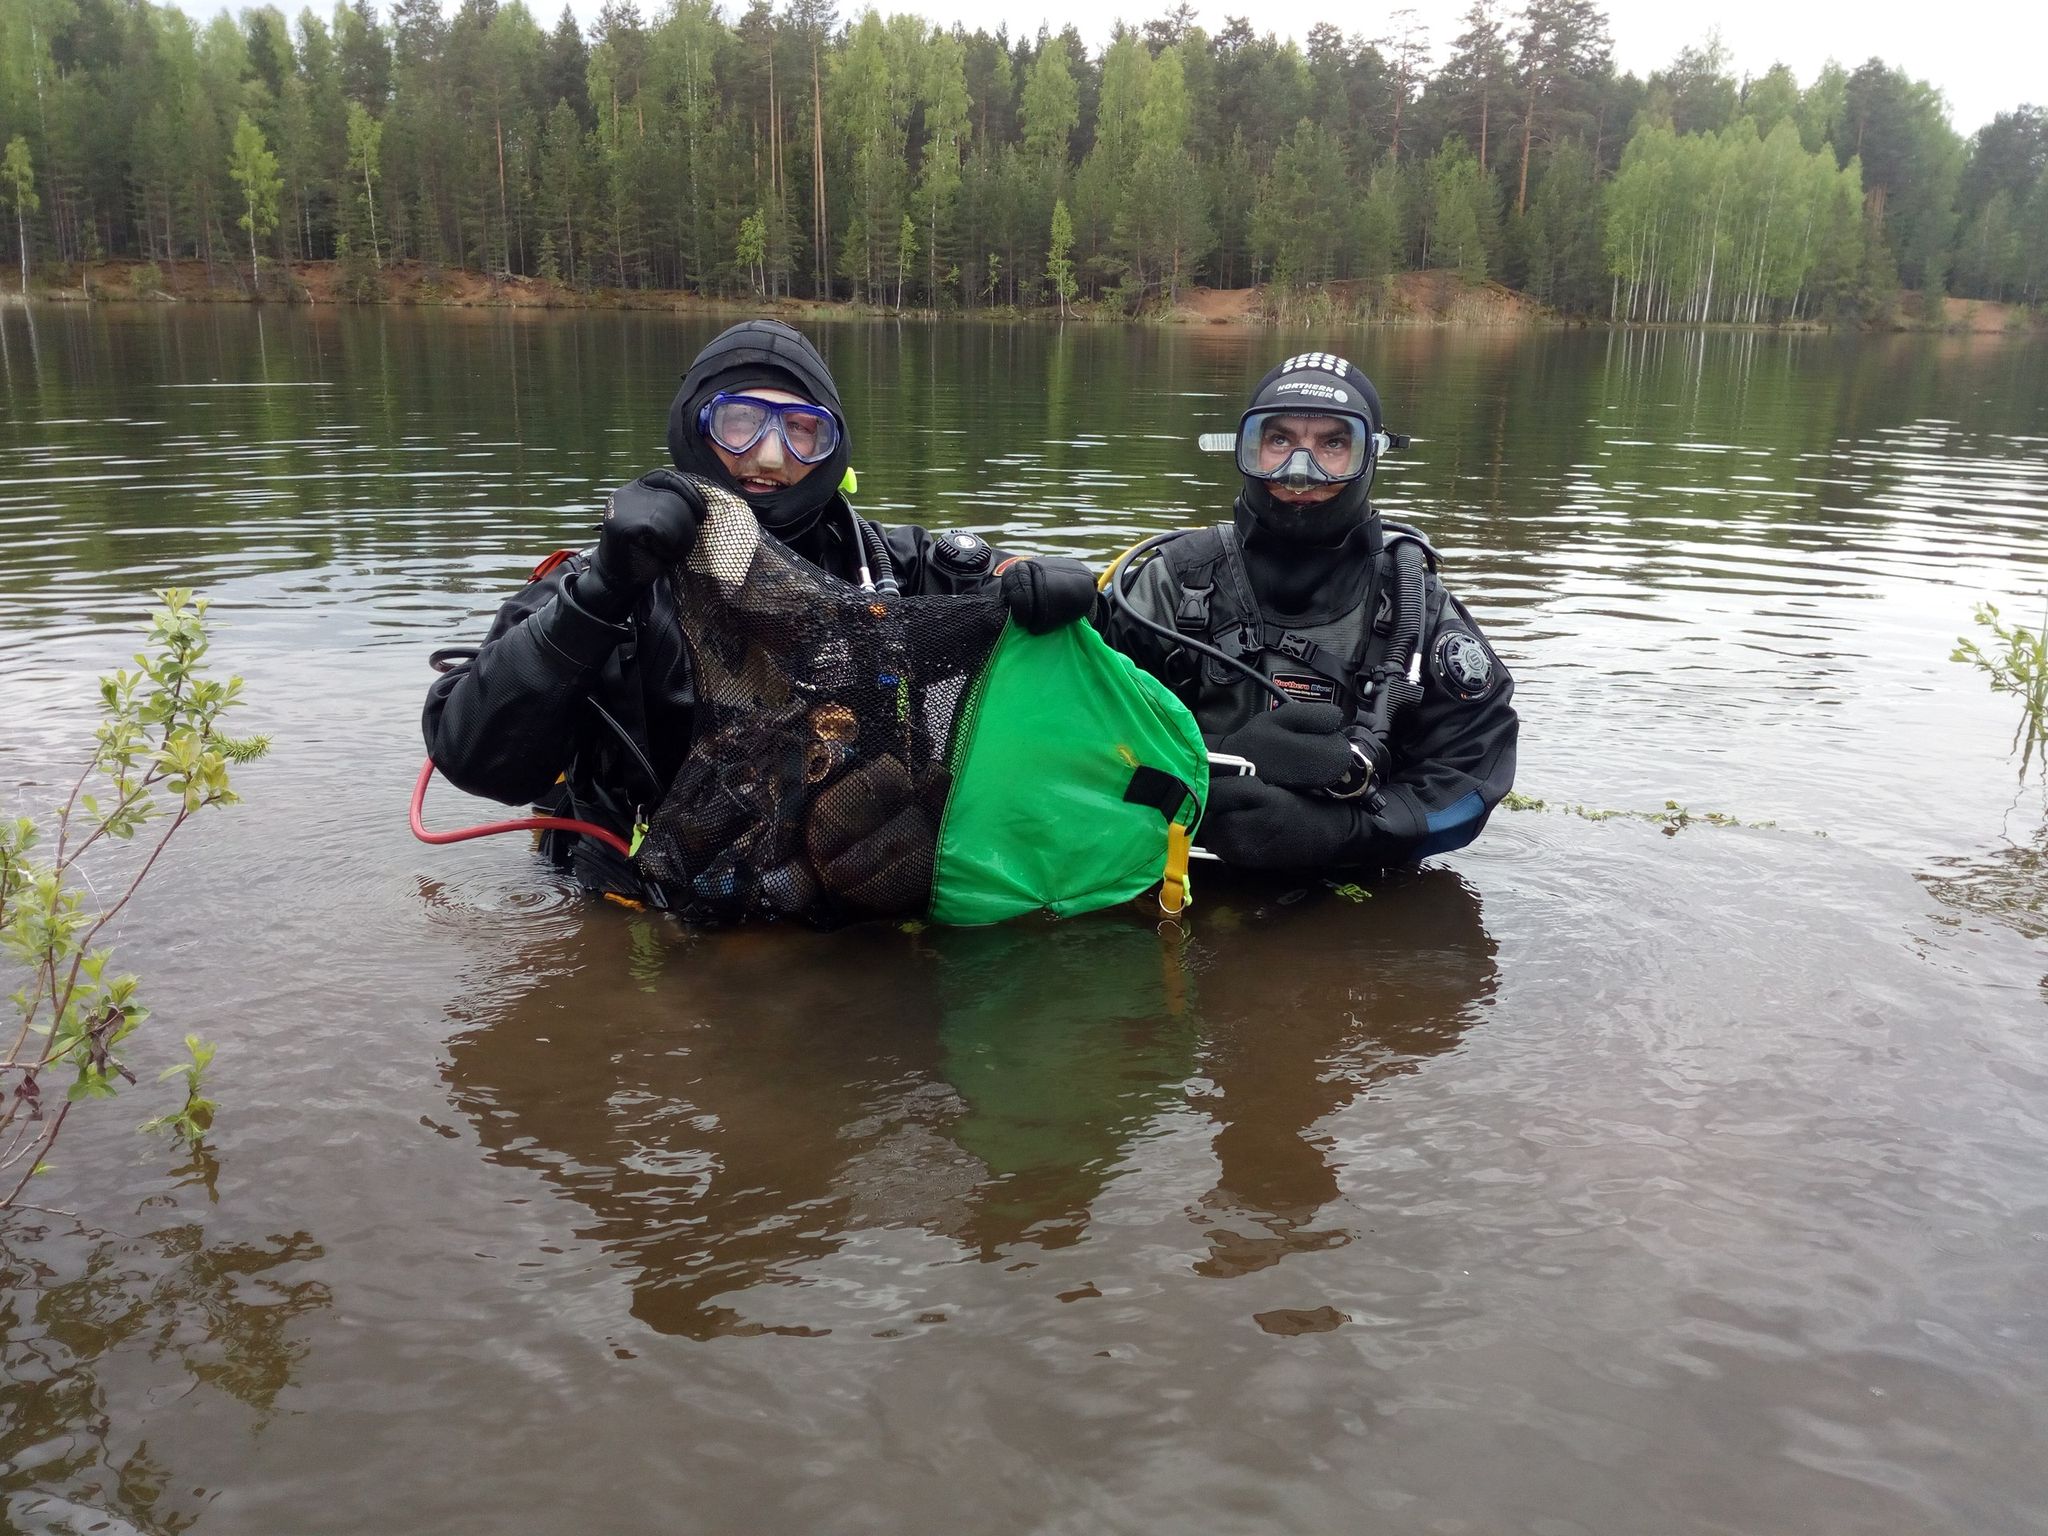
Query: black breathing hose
[
  {"x": 1122, "y": 600},
  {"x": 1396, "y": 690},
  {"x": 880, "y": 566}
]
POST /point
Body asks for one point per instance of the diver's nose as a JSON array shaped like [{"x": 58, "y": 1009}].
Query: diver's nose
[{"x": 768, "y": 452}]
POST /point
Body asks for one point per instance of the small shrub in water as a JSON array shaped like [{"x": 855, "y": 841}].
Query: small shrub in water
[
  {"x": 2016, "y": 660},
  {"x": 160, "y": 757}
]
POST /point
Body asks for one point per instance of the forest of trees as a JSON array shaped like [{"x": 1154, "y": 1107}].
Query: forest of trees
[{"x": 784, "y": 151}]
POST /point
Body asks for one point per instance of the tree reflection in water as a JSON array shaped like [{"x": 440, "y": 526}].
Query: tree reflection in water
[
  {"x": 96, "y": 1328},
  {"x": 734, "y": 1108}
]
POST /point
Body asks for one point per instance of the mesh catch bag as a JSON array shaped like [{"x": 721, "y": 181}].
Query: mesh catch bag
[{"x": 858, "y": 755}]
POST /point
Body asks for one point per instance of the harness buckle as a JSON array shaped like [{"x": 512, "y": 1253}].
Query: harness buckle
[
  {"x": 1298, "y": 646},
  {"x": 1191, "y": 616}
]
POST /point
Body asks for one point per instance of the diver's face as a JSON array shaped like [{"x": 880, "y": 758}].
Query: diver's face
[
  {"x": 1328, "y": 440},
  {"x": 765, "y": 467}
]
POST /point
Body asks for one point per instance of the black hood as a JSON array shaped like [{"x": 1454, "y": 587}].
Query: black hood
[
  {"x": 1302, "y": 581},
  {"x": 1313, "y": 383},
  {"x": 761, "y": 354}
]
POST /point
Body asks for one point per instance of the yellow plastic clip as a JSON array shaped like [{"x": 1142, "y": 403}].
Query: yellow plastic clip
[
  {"x": 850, "y": 482},
  {"x": 639, "y": 837},
  {"x": 1174, "y": 894}
]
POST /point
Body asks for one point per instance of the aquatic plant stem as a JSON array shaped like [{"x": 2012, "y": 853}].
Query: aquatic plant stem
[{"x": 45, "y": 1140}]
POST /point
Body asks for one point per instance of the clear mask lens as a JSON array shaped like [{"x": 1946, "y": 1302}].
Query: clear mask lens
[
  {"x": 1301, "y": 450},
  {"x": 737, "y": 422}
]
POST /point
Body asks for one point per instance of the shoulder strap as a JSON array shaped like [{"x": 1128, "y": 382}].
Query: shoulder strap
[
  {"x": 1193, "y": 559},
  {"x": 1232, "y": 569}
]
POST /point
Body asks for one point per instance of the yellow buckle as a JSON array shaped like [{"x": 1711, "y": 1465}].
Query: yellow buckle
[{"x": 1174, "y": 893}]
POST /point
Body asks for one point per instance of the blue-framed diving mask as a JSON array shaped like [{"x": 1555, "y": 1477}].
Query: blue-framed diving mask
[{"x": 737, "y": 421}]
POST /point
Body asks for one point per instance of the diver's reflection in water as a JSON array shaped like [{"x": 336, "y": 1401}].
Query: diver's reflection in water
[
  {"x": 706, "y": 1111},
  {"x": 745, "y": 1109},
  {"x": 1303, "y": 1010}
]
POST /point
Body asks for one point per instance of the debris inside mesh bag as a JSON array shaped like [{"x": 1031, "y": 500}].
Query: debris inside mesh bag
[{"x": 819, "y": 772}]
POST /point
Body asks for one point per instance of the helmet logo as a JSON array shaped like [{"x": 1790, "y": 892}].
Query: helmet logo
[{"x": 1313, "y": 391}]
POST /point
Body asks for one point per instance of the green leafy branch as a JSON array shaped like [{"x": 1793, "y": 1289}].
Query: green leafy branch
[
  {"x": 160, "y": 756},
  {"x": 2017, "y": 663}
]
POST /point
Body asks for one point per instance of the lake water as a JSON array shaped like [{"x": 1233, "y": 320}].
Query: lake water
[{"x": 1604, "y": 1177}]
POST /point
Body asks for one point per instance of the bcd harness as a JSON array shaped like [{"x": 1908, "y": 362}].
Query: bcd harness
[{"x": 1382, "y": 673}]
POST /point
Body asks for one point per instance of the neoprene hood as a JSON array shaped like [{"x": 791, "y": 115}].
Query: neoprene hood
[
  {"x": 761, "y": 354},
  {"x": 1314, "y": 384}
]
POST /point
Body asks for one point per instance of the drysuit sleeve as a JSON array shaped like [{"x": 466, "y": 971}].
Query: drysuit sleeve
[
  {"x": 1453, "y": 750},
  {"x": 508, "y": 723}
]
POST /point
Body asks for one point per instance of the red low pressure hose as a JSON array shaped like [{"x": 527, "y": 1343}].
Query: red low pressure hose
[{"x": 493, "y": 828}]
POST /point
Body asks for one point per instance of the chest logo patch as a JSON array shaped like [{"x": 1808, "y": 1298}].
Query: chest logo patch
[{"x": 1296, "y": 685}]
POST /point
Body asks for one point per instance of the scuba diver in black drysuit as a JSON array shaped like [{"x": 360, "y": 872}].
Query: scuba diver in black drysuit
[
  {"x": 581, "y": 696},
  {"x": 1397, "y": 737}
]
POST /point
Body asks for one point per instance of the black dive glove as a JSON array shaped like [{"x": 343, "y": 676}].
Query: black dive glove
[
  {"x": 650, "y": 526},
  {"x": 1256, "y": 825},
  {"x": 1044, "y": 594},
  {"x": 1299, "y": 745}
]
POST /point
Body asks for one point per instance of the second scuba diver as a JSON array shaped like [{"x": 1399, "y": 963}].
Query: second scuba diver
[
  {"x": 581, "y": 697},
  {"x": 1396, "y": 737}
]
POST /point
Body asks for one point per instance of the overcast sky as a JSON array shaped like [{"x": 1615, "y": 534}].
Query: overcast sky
[{"x": 1986, "y": 57}]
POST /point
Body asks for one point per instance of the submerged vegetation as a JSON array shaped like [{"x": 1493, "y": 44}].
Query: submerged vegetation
[
  {"x": 778, "y": 151},
  {"x": 160, "y": 757},
  {"x": 1673, "y": 818}
]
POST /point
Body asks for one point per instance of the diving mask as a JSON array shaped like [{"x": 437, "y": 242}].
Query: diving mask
[
  {"x": 1300, "y": 450},
  {"x": 736, "y": 422}
]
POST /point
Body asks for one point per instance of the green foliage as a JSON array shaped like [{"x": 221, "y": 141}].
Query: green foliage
[
  {"x": 1381, "y": 232},
  {"x": 1051, "y": 106},
  {"x": 253, "y": 168},
  {"x": 2016, "y": 661},
  {"x": 365, "y": 144},
  {"x": 906, "y": 252},
  {"x": 1059, "y": 268},
  {"x": 1461, "y": 211},
  {"x": 17, "y": 174},
  {"x": 1561, "y": 238},
  {"x": 1300, "y": 219},
  {"x": 752, "y": 249},
  {"x": 1162, "y": 225},
  {"x": 1725, "y": 226},
  {"x": 160, "y": 757},
  {"x": 633, "y": 152}
]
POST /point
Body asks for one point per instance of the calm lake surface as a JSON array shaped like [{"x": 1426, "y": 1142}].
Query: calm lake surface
[{"x": 1597, "y": 1179}]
